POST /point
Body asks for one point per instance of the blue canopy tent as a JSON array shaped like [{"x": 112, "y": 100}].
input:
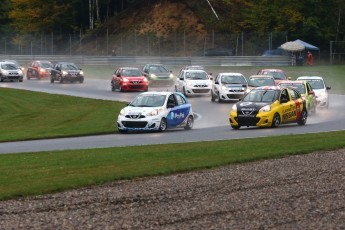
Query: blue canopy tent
[{"x": 309, "y": 46}]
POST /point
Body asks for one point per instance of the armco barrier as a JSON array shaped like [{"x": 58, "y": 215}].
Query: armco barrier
[{"x": 173, "y": 61}]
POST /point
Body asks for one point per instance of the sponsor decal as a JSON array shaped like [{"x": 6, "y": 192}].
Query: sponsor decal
[
  {"x": 176, "y": 115},
  {"x": 247, "y": 111}
]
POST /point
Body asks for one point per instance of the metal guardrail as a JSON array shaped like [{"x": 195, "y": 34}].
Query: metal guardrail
[{"x": 172, "y": 61}]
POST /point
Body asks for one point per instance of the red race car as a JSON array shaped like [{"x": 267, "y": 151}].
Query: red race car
[
  {"x": 39, "y": 69},
  {"x": 129, "y": 79}
]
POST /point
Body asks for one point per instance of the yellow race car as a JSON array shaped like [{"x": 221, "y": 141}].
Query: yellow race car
[{"x": 269, "y": 106}]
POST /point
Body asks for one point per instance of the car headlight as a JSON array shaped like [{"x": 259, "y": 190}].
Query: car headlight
[
  {"x": 64, "y": 73},
  {"x": 234, "y": 108},
  {"x": 190, "y": 84},
  {"x": 171, "y": 76},
  {"x": 5, "y": 72},
  {"x": 323, "y": 94},
  {"x": 153, "y": 76},
  {"x": 125, "y": 80},
  {"x": 266, "y": 108},
  {"x": 154, "y": 112},
  {"x": 122, "y": 112},
  {"x": 223, "y": 87},
  {"x": 247, "y": 90},
  {"x": 81, "y": 73},
  {"x": 145, "y": 79},
  {"x": 42, "y": 70}
]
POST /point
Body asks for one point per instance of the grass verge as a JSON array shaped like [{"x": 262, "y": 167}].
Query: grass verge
[
  {"x": 28, "y": 115},
  {"x": 46, "y": 172}
]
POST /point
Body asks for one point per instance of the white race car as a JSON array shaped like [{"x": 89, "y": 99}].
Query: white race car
[
  {"x": 193, "y": 82},
  {"x": 320, "y": 89},
  {"x": 229, "y": 87},
  {"x": 156, "y": 111}
]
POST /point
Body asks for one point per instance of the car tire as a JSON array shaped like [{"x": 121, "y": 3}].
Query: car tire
[
  {"x": 190, "y": 122},
  {"x": 51, "y": 80},
  {"x": 61, "y": 80},
  {"x": 120, "y": 88},
  {"x": 81, "y": 81},
  {"x": 275, "y": 120},
  {"x": 212, "y": 97},
  {"x": 303, "y": 119},
  {"x": 236, "y": 127},
  {"x": 162, "y": 125},
  {"x": 112, "y": 87},
  {"x": 219, "y": 99},
  {"x": 123, "y": 131},
  {"x": 184, "y": 92}
]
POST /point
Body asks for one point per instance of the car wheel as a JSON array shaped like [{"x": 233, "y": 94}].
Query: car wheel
[
  {"x": 184, "y": 92},
  {"x": 190, "y": 122},
  {"x": 81, "y": 81},
  {"x": 212, "y": 97},
  {"x": 51, "y": 80},
  {"x": 120, "y": 88},
  {"x": 236, "y": 127},
  {"x": 276, "y": 121},
  {"x": 163, "y": 125},
  {"x": 219, "y": 99},
  {"x": 112, "y": 87},
  {"x": 303, "y": 119},
  {"x": 20, "y": 80},
  {"x": 123, "y": 131},
  {"x": 61, "y": 80}
]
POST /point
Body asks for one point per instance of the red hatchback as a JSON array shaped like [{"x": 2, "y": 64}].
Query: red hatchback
[
  {"x": 129, "y": 79},
  {"x": 278, "y": 74},
  {"x": 39, "y": 69}
]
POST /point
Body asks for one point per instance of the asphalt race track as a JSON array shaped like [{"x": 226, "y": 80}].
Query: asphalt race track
[{"x": 211, "y": 123}]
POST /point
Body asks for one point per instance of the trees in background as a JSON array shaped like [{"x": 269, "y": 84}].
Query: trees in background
[{"x": 314, "y": 20}]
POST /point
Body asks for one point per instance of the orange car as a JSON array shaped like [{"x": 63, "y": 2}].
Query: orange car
[{"x": 39, "y": 69}]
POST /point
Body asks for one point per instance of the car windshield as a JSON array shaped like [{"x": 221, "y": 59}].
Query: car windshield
[
  {"x": 256, "y": 82},
  {"x": 196, "y": 76},
  {"x": 46, "y": 65},
  {"x": 69, "y": 66},
  {"x": 148, "y": 100},
  {"x": 316, "y": 84},
  {"x": 158, "y": 69},
  {"x": 229, "y": 79},
  {"x": 261, "y": 96},
  {"x": 131, "y": 73},
  {"x": 276, "y": 75},
  {"x": 299, "y": 86},
  {"x": 9, "y": 66}
]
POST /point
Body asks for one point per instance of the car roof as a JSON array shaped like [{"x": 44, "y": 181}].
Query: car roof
[
  {"x": 157, "y": 93},
  {"x": 268, "y": 88},
  {"x": 231, "y": 73},
  {"x": 8, "y": 62},
  {"x": 136, "y": 68},
  {"x": 291, "y": 82},
  {"x": 261, "y": 76},
  {"x": 271, "y": 70},
  {"x": 310, "y": 77}
]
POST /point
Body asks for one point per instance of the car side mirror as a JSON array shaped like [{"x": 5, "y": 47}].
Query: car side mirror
[
  {"x": 328, "y": 87},
  {"x": 311, "y": 92},
  {"x": 118, "y": 75},
  {"x": 58, "y": 68},
  {"x": 289, "y": 78},
  {"x": 217, "y": 83},
  {"x": 181, "y": 79}
]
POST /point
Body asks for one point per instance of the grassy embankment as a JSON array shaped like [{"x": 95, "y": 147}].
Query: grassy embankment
[{"x": 26, "y": 114}]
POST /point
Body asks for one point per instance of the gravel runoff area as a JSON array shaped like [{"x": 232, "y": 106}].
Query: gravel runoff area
[{"x": 296, "y": 192}]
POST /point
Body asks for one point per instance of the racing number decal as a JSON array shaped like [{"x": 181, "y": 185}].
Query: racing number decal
[{"x": 298, "y": 109}]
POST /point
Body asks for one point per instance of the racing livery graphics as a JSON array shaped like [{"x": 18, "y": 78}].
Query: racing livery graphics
[
  {"x": 156, "y": 111},
  {"x": 269, "y": 106}
]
